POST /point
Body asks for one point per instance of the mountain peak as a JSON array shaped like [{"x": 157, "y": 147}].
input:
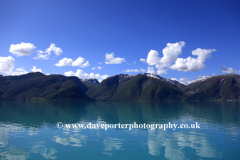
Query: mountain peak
[
  {"x": 91, "y": 80},
  {"x": 161, "y": 78}
]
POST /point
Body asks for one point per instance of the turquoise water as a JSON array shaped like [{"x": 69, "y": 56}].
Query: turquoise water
[{"x": 29, "y": 130}]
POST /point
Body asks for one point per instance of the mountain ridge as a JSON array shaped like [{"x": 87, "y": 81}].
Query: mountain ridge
[{"x": 120, "y": 87}]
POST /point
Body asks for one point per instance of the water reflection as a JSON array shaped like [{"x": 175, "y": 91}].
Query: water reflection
[
  {"x": 34, "y": 124},
  {"x": 110, "y": 144},
  {"x": 3, "y": 137},
  {"x": 196, "y": 141},
  {"x": 15, "y": 153},
  {"x": 75, "y": 139},
  {"x": 40, "y": 147}
]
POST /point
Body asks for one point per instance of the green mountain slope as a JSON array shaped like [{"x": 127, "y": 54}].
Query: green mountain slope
[
  {"x": 224, "y": 87},
  {"x": 37, "y": 86},
  {"x": 141, "y": 87}
]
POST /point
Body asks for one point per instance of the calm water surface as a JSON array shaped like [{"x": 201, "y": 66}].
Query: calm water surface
[{"x": 28, "y": 130}]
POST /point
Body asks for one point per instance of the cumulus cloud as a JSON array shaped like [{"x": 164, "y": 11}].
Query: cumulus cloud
[
  {"x": 81, "y": 62},
  {"x": 150, "y": 70},
  {"x": 143, "y": 60},
  {"x": 23, "y": 49},
  {"x": 193, "y": 64},
  {"x": 45, "y": 55},
  {"x": 170, "y": 56},
  {"x": 152, "y": 58},
  {"x": 110, "y": 59},
  {"x": 64, "y": 62},
  {"x": 39, "y": 51},
  {"x": 186, "y": 81},
  {"x": 41, "y": 55},
  {"x": 82, "y": 75},
  {"x": 160, "y": 70},
  {"x": 227, "y": 70},
  {"x": 6, "y": 65},
  {"x": 99, "y": 67},
  {"x": 34, "y": 69},
  {"x": 135, "y": 70},
  {"x": 19, "y": 71},
  {"x": 104, "y": 77},
  {"x": 56, "y": 50},
  {"x": 182, "y": 80}
]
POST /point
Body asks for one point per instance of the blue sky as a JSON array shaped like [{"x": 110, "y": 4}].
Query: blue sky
[{"x": 105, "y": 37}]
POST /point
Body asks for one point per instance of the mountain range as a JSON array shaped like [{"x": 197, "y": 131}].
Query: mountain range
[{"x": 121, "y": 87}]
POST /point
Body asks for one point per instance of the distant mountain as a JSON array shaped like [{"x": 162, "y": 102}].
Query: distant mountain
[
  {"x": 37, "y": 86},
  {"x": 222, "y": 87},
  {"x": 121, "y": 87},
  {"x": 89, "y": 83},
  {"x": 139, "y": 87},
  {"x": 91, "y": 80},
  {"x": 178, "y": 84}
]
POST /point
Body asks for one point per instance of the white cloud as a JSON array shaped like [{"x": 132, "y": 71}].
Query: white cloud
[
  {"x": 227, "y": 70},
  {"x": 135, "y": 70},
  {"x": 99, "y": 67},
  {"x": 170, "y": 55},
  {"x": 110, "y": 59},
  {"x": 41, "y": 55},
  {"x": 82, "y": 75},
  {"x": 23, "y": 49},
  {"x": 19, "y": 71},
  {"x": 104, "y": 77},
  {"x": 193, "y": 64},
  {"x": 134, "y": 62},
  {"x": 182, "y": 80},
  {"x": 56, "y": 50},
  {"x": 34, "y": 69},
  {"x": 150, "y": 70},
  {"x": 186, "y": 81},
  {"x": 152, "y": 58},
  {"x": 143, "y": 60},
  {"x": 39, "y": 51},
  {"x": 45, "y": 55},
  {"x": 6, "y": 65},
  {"x": 100, "y": 63},
  {"x": 160, "y": 70},
  {"x": 81, "y": 62},
  {"x": 237, "y": 72},
  {"x": 64, "y": 62}
]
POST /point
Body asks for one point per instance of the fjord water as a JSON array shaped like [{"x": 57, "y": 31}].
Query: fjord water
[{"x": 28, "y": 130}]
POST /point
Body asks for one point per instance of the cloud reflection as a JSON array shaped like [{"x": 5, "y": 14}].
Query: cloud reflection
[
  {"x": 15, "y": 154},
  {"x": 75, "y": 140},
  {"x": 111, "y": 144},
  {"x": 175, "y": 142},
  {"x": 39, "y": 147}
]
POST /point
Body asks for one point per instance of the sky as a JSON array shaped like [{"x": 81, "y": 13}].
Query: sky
[{"x": 185, "y": 40}]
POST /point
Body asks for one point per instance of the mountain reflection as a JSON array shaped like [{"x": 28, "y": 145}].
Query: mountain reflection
[{"x": 35, "y": 123}]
